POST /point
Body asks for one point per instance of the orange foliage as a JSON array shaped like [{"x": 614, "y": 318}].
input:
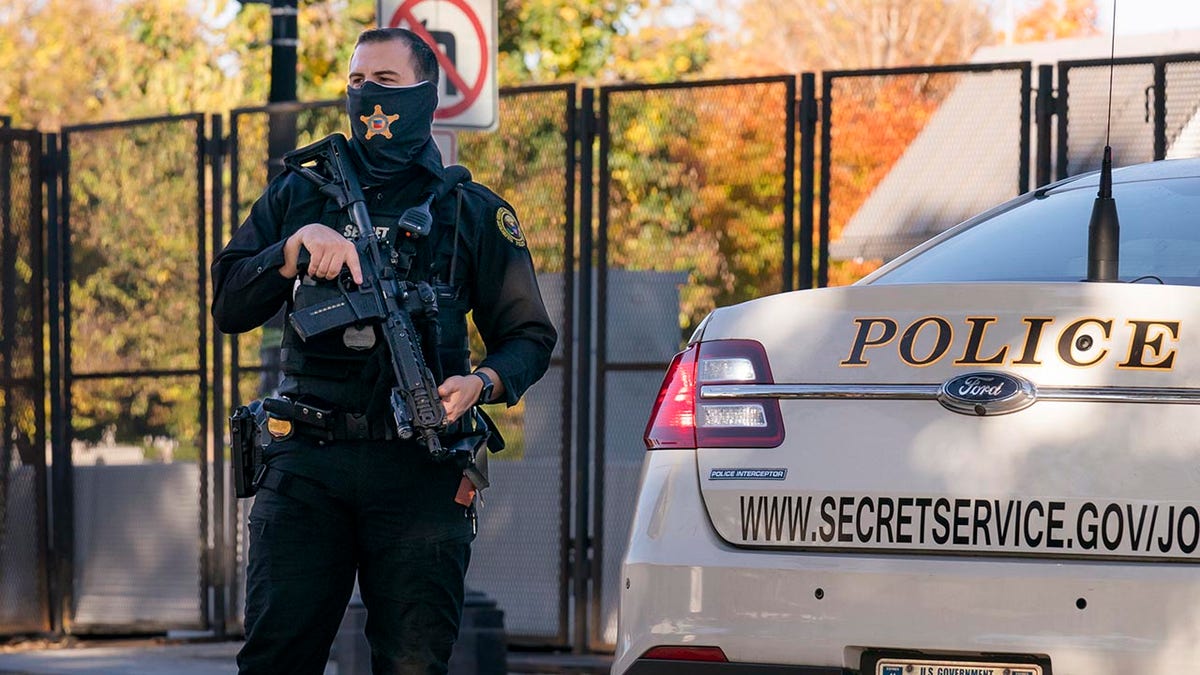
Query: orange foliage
[
  {"x": 1054, "y": 19},
  {"x": 874, "y": 122}
]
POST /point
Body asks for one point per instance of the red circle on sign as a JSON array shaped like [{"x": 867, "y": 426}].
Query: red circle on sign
[{"x": 471, "y": 93}]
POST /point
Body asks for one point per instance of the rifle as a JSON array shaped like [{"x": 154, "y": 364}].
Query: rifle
[{"x": 416, "y": 406}]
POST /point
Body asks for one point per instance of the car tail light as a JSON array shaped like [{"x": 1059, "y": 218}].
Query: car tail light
[
  {"x": 673, "y": 419},
  {"x": 681, "y": 419},
  {"x": 676, "y": 653}
]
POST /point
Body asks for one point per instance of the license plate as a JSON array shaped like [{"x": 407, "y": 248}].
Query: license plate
[{"x": 905, "y": 666}]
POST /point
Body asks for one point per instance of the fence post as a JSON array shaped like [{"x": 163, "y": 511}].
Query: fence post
[
  {"x": 808, "y": 117},
  {"x": 1160, "y": 109},
  {"x": 1045, "y": 112},
  {"x": 826, "y": 165},
  {"x": 1023, "y": 177},
  {"x": 217, "y": 558},
  {"x": 587, "y": 127},
  {"x": 1061, "y": 106},
  {"x": 787, "y": 283},
  {"x": 61, "y": 472}
]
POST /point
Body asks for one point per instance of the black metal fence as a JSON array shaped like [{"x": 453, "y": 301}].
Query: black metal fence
[
  {"x": 253, "y": 364},
  {"x": 1154, "y": 104},
  {"x": 646, "y": 206},
  {"x": 955, "y": 143},
  {"x": 695, "y": 192},
  {"x": 24, "y": 584},
  {"x": 527, "y": 525},
  {"x": 133, "y": 281}
]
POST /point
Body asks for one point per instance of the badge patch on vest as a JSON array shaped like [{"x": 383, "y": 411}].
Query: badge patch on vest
[
  {"x": 509, "y": 227},
  {"x": 378, "y": 123},
  {"x": 279, "y": 429}
]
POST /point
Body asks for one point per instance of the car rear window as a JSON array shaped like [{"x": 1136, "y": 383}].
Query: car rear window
[{"x": 1045, "y": 239}]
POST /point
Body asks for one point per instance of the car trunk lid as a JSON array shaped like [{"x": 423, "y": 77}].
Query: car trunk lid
[{"x": 1014, "y": 419}]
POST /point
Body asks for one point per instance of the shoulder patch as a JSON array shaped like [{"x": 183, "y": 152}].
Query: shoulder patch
[{"x": 506, "y": 221}]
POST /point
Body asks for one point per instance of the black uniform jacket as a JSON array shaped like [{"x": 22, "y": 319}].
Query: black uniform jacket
[{"x": 489, "y": 267}]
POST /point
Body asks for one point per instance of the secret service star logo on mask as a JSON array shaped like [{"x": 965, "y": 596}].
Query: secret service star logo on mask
[{"x": 378, "y": 123}]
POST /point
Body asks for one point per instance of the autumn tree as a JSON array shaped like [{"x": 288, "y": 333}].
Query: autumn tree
[
  {"x": 64, "y": 62},
  {"x": 696, "y": 188},
  {"x": 772, "y": 37},
  {"x": 133, "y": 283},
  {"x": 1056, "y": 19},
  {"x": 875, "y": 119},
  {"x": 595, "y": 40}
]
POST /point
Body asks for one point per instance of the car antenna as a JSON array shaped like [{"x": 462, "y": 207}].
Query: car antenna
[{"x": 1104, "y": 231}]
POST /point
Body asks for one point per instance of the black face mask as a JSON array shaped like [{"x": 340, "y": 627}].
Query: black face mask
[{"x": 390, "y": 127}]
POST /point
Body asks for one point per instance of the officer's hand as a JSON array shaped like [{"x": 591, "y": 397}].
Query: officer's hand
[
  {"x": 458, "y": 394},
  {"x": 328, "y": 251}
]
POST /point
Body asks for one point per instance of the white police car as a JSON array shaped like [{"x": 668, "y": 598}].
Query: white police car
[{"x": 969, "y": 463}]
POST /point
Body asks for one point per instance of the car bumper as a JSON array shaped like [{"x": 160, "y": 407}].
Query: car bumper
[
  {"x": 672, "y": 667},
  {"x": 682, "y": 585}
]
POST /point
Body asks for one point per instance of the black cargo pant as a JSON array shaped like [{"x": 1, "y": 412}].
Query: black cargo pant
[{"x": 330, "y": 510}]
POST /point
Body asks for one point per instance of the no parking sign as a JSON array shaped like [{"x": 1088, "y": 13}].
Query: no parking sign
[{"x": 463, "y": 35}]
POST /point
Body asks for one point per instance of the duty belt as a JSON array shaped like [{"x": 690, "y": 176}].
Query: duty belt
[
  {"x": 358, "y": 427},
  {"x": 324, "y": 423}
]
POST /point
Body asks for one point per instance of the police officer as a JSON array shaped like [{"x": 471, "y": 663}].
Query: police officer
[{"x": 352, "y": 499}]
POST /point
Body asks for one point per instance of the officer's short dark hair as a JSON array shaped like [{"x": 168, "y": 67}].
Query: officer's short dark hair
[{"x": 424, "y": 61}]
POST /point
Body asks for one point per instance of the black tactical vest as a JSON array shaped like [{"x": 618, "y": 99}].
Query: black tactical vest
[{"x": 350, "y": 369}]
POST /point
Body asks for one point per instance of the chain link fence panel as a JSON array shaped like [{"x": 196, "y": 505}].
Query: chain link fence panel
[
  {"x": 909, "y": 153},
  {"x": 695, "y": 189},
  {"x": 135, "y": 371},
  {"x": 1183, "y": 109},
  {"x": 23, "y": 526},
  {"x": 524, "y": 522}
]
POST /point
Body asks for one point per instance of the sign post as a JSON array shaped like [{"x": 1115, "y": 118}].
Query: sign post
[{"x": 463, "y": 35}]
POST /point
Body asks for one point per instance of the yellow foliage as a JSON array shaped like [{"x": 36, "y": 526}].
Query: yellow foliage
[
  {"x": 65, "y": 62},
  {"x": 1055, "y": 19}
]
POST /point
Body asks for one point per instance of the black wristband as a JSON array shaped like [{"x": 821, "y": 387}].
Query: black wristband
[{"x": 485, "y": 394}]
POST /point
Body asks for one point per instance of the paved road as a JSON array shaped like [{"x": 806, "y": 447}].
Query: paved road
[
  {"x": 128, "y": 658},
  {"x": 172, "y": 657}
]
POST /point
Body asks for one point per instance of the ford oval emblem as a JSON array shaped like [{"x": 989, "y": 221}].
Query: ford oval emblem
[{"x": 987, "y": 393}]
